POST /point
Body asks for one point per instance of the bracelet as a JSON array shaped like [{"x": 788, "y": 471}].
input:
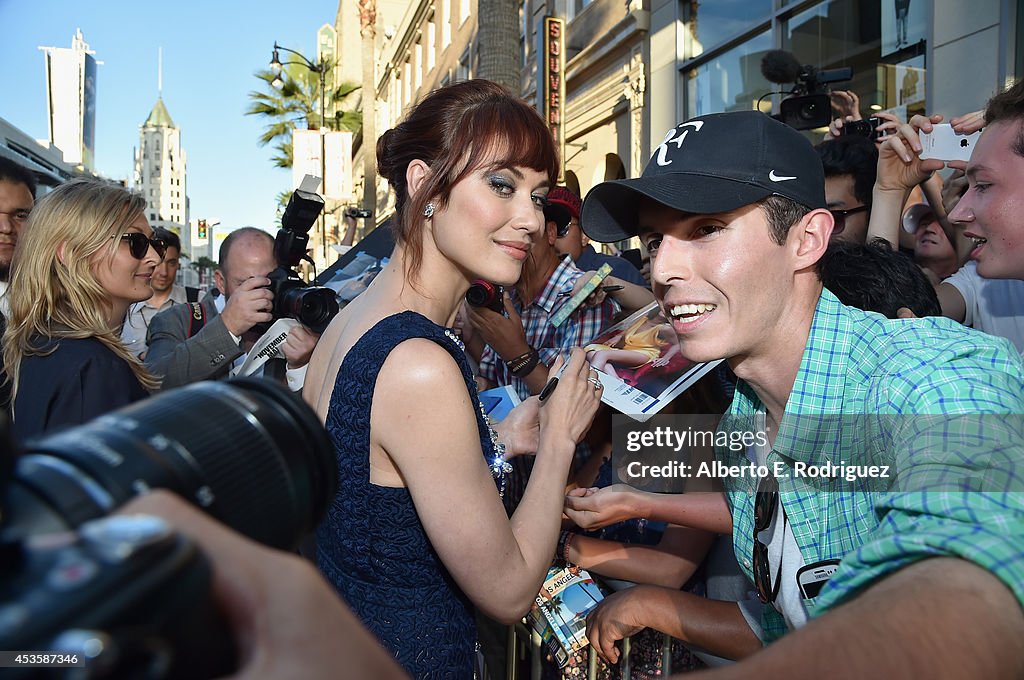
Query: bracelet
[
  {"x": 523, "y": 364},
  {"x": 564, "y": 541}
]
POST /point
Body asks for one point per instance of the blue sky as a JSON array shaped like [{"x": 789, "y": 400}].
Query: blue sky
[{"x": 210, "y": 51}]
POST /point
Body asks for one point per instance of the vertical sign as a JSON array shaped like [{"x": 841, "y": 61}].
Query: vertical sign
[
  {"x": 551, "y": 85},
  {"x": 306, "y": 155},
  {"x": 338, "y": 166}
]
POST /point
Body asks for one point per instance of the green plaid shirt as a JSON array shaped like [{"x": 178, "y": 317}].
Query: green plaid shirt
[{"x": 911, "y": 378}]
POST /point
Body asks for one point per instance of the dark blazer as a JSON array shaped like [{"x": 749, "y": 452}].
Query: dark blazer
[
  {"x": 181, "y": 360},
  {"x": 80, "y": 380}
]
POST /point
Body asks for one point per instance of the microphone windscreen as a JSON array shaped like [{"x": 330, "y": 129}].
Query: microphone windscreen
[{"x": 780, "y": 66}]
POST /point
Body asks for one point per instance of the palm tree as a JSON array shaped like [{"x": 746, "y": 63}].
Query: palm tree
[
  {"x": 298, "y": 100},
  {"x": 368, "y": 35},
  {"x": 498, "y": 43}
]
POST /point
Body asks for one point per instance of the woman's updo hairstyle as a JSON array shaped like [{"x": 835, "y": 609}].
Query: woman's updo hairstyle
[{"x": 453, "y": 129}]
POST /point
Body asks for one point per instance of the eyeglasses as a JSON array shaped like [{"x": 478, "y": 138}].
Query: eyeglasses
[
  {"x": 765, "y": 500},
  {"x": 18, "y": 216},
  {"x": 839, "y": 216},
  {"x": 139, "y": 244}
]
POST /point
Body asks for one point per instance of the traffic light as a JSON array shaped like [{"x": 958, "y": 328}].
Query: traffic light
[{"x": 201, "y": 230}]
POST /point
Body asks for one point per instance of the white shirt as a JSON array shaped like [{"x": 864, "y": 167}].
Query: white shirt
[
  {"x": 136, "y": 323},
  {"x": 994, "y": 306},
  {"x": 784, "y": 557}
]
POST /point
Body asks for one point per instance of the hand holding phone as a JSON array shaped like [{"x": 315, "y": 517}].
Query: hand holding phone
[{"x": 944, "y": 144}]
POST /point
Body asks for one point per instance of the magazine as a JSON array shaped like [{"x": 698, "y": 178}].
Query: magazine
[
  {"x": 559, "y": 614},
  {"x": 641, "y": 364}
]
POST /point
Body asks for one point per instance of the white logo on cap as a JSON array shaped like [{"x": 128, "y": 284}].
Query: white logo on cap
[
  {"x": 671, "y": 138},
  {"x": 776, "y": 178}
]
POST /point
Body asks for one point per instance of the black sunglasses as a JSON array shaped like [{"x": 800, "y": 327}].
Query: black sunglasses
[
  {"x": 139, "y": 243},
  {"x": 765, "y": 500},
  {"x": 839, "y": 216}
]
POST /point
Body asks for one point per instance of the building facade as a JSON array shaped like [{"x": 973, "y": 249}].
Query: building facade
[
  {"x": 45, "y": 162},
  {"x": 71, "y": 100},
  {"x": 161, "y": 171},
  {"x": 635, "y": 68}
]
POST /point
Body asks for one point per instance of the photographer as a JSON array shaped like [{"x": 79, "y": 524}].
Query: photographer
[{"x": 202, "y": 341}]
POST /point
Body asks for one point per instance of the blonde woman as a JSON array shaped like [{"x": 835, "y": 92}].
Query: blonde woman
[{"x": 85, "y": 254}]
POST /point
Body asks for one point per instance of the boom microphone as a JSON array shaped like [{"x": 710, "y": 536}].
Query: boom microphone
[{"x": 780, "y": 66}]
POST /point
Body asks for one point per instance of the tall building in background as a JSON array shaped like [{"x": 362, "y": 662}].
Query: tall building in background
[
  {"x": 71, "y": 100},
  {"x": 160, "y": 171}
]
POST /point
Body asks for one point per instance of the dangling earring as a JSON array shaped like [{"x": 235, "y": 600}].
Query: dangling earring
[{"x": 428, "y": 210}]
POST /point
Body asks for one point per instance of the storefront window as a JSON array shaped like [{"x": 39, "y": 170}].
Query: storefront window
[
  {"x": 731, "y": 81},
  {"x": 882, "y": 41},
  {"x": 714, "y": 22}
]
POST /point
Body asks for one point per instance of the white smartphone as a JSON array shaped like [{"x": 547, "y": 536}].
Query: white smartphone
[{"x": 944, "y": 144}]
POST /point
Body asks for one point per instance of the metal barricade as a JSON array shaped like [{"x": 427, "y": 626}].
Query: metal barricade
[{"x": 521, "y": 636}]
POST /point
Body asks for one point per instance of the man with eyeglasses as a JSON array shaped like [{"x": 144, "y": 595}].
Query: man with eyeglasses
[
  {"x": 849, "y": 163},
  {"x": 902, "y": 555},
  {"x": 564, "y": 210},
  {"x": 17, "y": 196}
]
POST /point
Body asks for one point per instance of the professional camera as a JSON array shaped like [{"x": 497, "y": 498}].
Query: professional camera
[
  {"x": 312, "y": 306},
  {"x": 485, "y": 294},
  {"x": 808, "y": 105},
  {"x": 127, "y": 595},
  {"x": 362, "y": 213}
]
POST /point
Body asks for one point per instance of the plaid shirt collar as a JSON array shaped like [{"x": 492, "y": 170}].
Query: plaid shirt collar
[
  {"x": 560, "y": 281},
  {"x": 820, "y": 385}
]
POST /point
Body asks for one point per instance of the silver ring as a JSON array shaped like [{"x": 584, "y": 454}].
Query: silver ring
[{"x": 595, "y": 382}]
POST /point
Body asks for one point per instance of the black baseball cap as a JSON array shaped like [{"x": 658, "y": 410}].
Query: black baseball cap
[{"x": 711, "y": 164}]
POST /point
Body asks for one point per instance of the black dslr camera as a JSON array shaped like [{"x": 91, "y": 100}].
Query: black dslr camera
[
  {"x": 126, "y": 596},
  {"x": 312, "y": 306},
  {"x": 808, "y": 105}
]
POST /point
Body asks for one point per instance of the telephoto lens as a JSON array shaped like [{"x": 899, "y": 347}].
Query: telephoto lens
[{"x": 248, "y": 452}]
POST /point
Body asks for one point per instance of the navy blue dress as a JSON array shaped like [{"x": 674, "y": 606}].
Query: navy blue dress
[{"x": 372, "y": 546}]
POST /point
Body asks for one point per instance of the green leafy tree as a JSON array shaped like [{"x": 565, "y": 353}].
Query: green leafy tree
[{"x": 297, "y": 101}]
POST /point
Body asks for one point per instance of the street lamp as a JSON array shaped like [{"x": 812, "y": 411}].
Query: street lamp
[{"x": 321, "y": 70}]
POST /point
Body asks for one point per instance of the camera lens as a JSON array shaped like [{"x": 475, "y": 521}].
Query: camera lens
[
  {"x": 481, "y": 293},
  {"x": 313, "y": 307},
  {"x": 809, "y": 111},
  {"x": 248, "y": 452}
]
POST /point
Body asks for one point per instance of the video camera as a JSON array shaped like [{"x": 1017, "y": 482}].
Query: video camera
[
  {"x": 312, "y": 306},
  {"x": 808, "y": 105},
  {"x": 127, "y": 596}
]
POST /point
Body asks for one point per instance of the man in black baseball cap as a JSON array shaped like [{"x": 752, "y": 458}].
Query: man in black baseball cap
[
  {"x": 711, "y": 164},
  {"x": 731, "y": 207}
]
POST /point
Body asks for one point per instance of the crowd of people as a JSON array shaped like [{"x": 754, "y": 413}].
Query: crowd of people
[{"x": 867, "y": 304}]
